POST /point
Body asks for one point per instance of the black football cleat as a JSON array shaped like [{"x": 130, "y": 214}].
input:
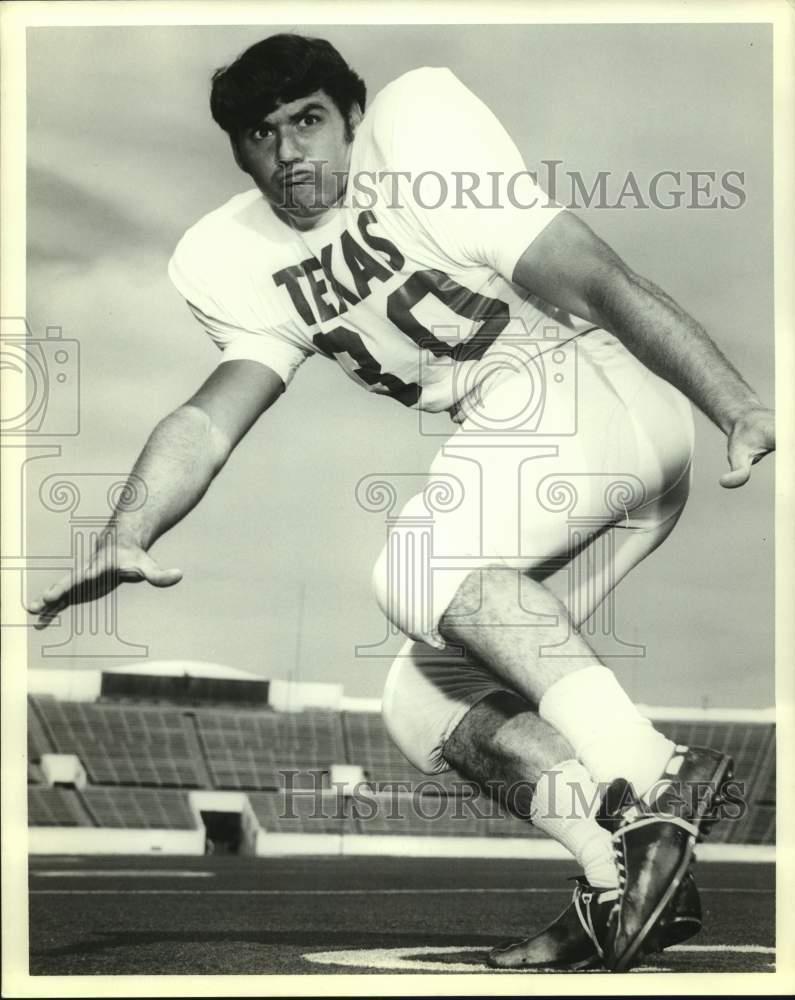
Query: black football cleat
[
  {"x": 575, "y": 941},
  {"x": 680, "y": 921},
  {"x": 692, "y": 787},
  {"x": 654, "y": 846},
  {"x": 569, "y": 942},
  {"x": 653, "y": 854}
]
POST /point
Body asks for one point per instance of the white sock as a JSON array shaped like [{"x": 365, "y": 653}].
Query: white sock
[
  {"x": 609, "y": 735},
  {"x": 565, "y": 803}
]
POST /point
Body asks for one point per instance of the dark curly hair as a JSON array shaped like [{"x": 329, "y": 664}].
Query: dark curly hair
[{"x": 278, "y": 70}]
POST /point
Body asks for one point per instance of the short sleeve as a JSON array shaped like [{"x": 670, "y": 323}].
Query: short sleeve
[
  {"x": 211, "y": 301},
  {"x": 467, "y": 189},
  {"x": 241, "y": 345}
]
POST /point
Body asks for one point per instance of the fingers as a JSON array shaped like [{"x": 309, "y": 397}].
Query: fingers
[
  {"x": 52, "y": 595},
  {"x": 741, "y": 458},
  {"x": 737, "y": 477},
  {"x": 101, "y": 576},
  {"x": 166, "y": 578},
  {"x": 740, "y": 455},
  {"x": 49, "y": 614},
  {"x": 64, "y": 591},
  {"x": 156, "y": 575},
  {"x": 88, "y": 585}
]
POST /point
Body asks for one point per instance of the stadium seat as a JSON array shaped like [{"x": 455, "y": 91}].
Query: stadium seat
[
  {"x": 139, "y": 808},
  {"x": 254, "y": 749},
  {"x": 55, "y": 807},
  {"x": 139, "y": 757}
]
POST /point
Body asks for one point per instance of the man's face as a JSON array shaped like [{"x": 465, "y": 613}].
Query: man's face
[{"x": 298, "y": 156}]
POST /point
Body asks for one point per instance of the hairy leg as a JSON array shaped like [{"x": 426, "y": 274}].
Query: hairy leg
[
  {"x": 501, "y": 743},
  {"x": 487, "y": 601},
  {"x": 586, "y": 704},
  {"x": 521, "y": 761},
  {"x": 482, "y": 618}
]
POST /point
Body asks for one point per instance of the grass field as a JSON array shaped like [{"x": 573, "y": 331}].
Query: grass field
[{"x": 230, "y": 915}]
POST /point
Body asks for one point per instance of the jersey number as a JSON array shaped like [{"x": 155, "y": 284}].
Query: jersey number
[{"x": 492, "y": 314}]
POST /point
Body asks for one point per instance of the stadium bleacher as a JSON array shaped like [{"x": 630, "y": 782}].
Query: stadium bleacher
[
  {"x": 142, "y": 759},
  {"x": 38, "y": 741},
  {"x": 278, "y": 812},
  {"x": 55, "y": 807},
  {"x": 249, "y": 750},
  {"x": 139, "y": 808},
  {"x": 119, "y": 744}
]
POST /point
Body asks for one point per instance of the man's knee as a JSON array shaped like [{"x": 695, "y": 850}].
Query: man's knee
[
  {"x": 410, "y": 729},
  {"x": 495, "y": 596}
]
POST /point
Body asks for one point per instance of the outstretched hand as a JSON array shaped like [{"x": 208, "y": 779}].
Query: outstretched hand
[
  {"x": 752, "y": 437},
  {"x": 113, "y": 563}
]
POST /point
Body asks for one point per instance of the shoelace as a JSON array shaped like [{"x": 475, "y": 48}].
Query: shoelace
[
  {"x": 584, "y": 899},
  {"x": 620, "y": 859}
]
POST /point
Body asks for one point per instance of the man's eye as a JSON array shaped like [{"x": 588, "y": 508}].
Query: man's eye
[
  {"x": 263, "y": 132},
  {"x": 310, "y": 119}
]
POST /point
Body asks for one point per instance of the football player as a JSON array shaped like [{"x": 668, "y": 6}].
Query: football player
[{"x": 409, "y": 246}]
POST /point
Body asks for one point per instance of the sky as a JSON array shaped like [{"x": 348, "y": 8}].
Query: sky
[{"x": 123, "y": 157}]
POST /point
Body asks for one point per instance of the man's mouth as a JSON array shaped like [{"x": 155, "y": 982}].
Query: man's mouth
[{"x": 298, "y": 180}]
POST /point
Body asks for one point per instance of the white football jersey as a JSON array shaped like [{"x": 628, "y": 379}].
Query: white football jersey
[{"x": 406, "y": 284}]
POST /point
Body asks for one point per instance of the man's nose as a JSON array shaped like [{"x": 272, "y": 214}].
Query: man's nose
[{"x": 289, "y": 150}]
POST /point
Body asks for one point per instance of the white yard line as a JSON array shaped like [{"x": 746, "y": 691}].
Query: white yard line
[
  {"x": 741, "y": 949},
  {"x": 121, "y": 873}
]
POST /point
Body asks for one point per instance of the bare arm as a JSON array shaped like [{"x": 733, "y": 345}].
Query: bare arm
[
  {"x": 571, "y": 267},
  {"x": 183, "y": 455},
  {"x": 188, "y": 449}
]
